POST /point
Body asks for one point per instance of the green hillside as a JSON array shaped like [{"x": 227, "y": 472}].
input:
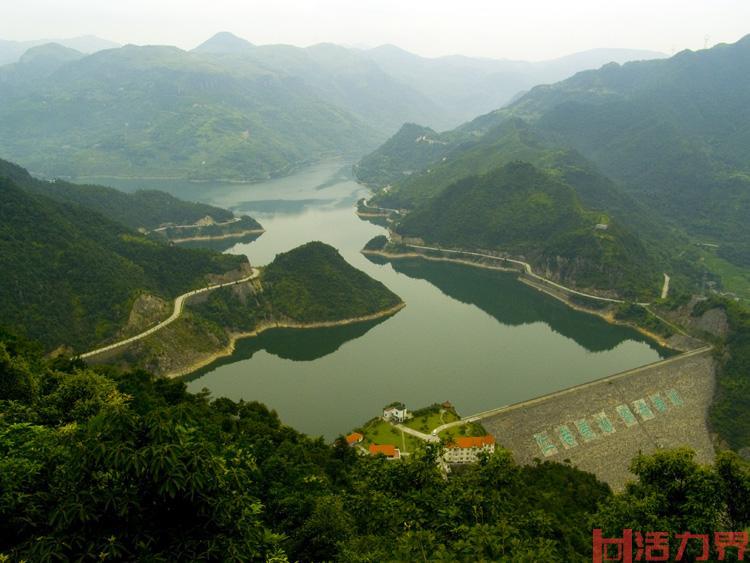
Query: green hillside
[
  {"x": 673, "y": 132},
  {"x": 163, "y": 112},
  {"x": 411, "y": 149},
  {"x": 147, "y": 209},
  {"x": 471, "y": 154},
  {"x": 661, "y": 146},
  {"x": 524, "y": 211},
  {"x": 466, "y": 154},
  {"x": 309, "y": 284},
  {"x": 339, "y": 75},
  {"x": 314, "y": 283},
  {"x": 70, "y": 276}
]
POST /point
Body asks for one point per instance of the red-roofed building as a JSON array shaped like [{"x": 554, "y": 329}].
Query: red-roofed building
[
  {"x": 354, "y": 438},
  {"x": 388, "y": 450},
  {"x": 466, "y": 449}
]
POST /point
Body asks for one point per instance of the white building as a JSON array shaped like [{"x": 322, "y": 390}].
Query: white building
[
  {"x": 467, "y": 449},
  {"x": 396, "y": 413}
]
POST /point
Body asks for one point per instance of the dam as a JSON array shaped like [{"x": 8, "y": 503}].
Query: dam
[{"x": 600, "y": 426}]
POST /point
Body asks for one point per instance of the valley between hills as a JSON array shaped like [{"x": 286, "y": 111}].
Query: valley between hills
[{"x": 335, "y": 303}]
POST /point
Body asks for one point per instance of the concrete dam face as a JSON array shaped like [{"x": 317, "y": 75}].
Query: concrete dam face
[{"x": 600, "y": 426}]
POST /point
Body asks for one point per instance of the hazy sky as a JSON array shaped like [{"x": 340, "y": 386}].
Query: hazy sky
[{"x": 518, "y": 29}]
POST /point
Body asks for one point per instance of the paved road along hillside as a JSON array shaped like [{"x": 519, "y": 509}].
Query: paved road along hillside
[{"x": 179, "y": 302}]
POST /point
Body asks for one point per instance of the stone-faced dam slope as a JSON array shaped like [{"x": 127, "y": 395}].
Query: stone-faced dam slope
[{"x": 600, "y": 426}]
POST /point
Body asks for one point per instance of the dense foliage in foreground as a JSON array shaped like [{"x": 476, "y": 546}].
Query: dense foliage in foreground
[{"x": 100, "y": 464}]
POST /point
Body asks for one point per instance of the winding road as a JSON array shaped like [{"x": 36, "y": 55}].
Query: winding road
[
  {"x": 665, "y": 287},
  {"x": 196, "y": 225},
  {"x": 530, "y": 273},
  {"x": 179, "y": 303},
  {"x": 527, "y": 269},
  {"x": 417, "y": 433}
]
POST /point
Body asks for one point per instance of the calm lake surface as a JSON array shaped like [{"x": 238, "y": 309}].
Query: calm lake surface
[{"x": 475, "y": 337}]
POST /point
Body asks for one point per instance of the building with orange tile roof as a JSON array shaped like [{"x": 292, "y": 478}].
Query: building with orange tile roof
[
  {"x": 388, "y": 450},
  {"x": 466, "y": 449},
  {"x": 354, "y": 438}
]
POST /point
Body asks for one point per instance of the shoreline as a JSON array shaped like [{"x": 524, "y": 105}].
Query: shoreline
[
  {"x": 606, "y": 316},
  {"x": 291, "y": 169},
  {"x": 238, "y": 234},
  {"x": 229, "y": 349}
]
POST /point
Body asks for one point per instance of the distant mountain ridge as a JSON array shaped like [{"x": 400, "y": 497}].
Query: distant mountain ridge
[
  {"x": 663, "y": 146},
  {"x": 140, "y": 210},
  {"x": 163, "y": 112},
  {"x": 472, "y": 86},
  {"x": 230, "y": 109},
  {"x": 12, "y": 51}
]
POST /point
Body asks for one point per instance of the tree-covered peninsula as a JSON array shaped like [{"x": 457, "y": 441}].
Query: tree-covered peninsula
[{"x": 307, "y": 287}]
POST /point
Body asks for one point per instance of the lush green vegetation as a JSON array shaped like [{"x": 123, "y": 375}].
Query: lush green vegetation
[
  {"x": 408, "y": 151},
  {"x": 733, "y": 276},
  {"x": 162, "y": 112},
  {"x": 310, "y": 284},
  {"x": 101, "y": 464},
  {"x": 427, "y": 419},
  {"x": 242, "y": 225},
  {"x": 671, "y": 133},
  {"x": 730, "y": 412},
  {"x": 314, "y": 283},
  {"x": 376, "y": 243},
  {"x": 70, "y": 276},
  {"x": 378, "y": 431},
  {"x": 640, "y": 316},
  {"x": 674, "y": 131},
  {"x": 145, "y": 209},
  {"x": 468, "y": 154},
  {"x": 523, "y": 211}
]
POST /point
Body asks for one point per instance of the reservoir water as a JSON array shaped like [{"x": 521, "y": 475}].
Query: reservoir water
[{"x": 478, "y": 338}]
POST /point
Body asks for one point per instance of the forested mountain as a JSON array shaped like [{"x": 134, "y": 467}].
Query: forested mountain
[
  {"x": 675, "y": 132},
  {"x": 467, "y": 86},
  {"x": 458, "y": 154},
  {"x": 160, "y": 111},
  {"x": 310, "y": 284},
  {"x": 233, "y": 110},
  {"x": 70, "y": 276},
  {"x": 143, "y": 209},
  {"x": 338, "y": 75},
  {"x": 386, "y": 86},
  {"x": 525, "y": 212},
  {"x": 314, "y": 283},
  {"x": 660, "y": 145},
  {"x": 11, "y": 51},
  {"x": 410, "y": 150},
  {"x": 38, "y": 63}
]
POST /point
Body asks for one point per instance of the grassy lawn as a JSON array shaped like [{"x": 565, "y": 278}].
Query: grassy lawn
[
  {"x": 428, "y": 421},
  {"x": 469, "y": 429},
  {"x": 378, "y": 431},
  {"x": 734, "y": 278}
]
